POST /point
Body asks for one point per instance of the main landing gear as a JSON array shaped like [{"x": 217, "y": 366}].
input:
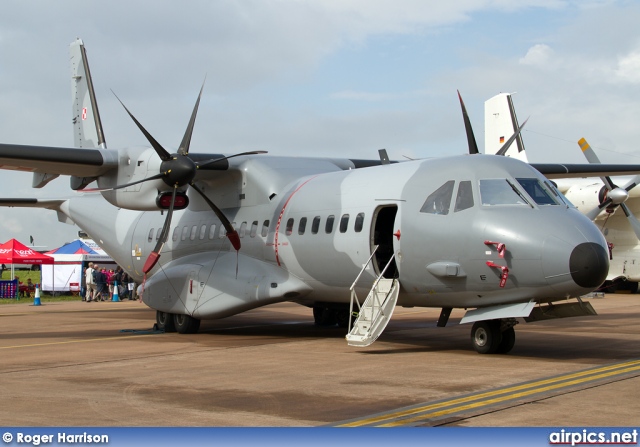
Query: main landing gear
[
  {"x": 330, "y": 316},
  {"x": 183, "y": 324},
  {"x": 493, "y": 336}
]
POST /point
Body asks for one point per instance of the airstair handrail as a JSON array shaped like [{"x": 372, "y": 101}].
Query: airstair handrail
[{"x": 364, "y": 267}]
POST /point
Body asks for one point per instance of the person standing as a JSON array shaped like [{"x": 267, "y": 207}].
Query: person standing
[{"x": 91, "y": 284}]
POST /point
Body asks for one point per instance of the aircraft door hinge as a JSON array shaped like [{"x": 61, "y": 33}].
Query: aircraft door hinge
[
  {"x": 504, "y": 269},
  {"x": 499, "y": 246}
]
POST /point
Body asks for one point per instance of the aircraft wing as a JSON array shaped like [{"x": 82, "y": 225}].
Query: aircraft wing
[
  {"x": 58, "y": 160},
  {"x": 52, "y": 204},
  {"x": 558, "y": 170}
]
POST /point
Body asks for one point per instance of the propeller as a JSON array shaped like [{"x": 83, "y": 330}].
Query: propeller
[
  {"x": 176, "y": 171},
  {"x": 611, "y": 195},
  {"x": 471, "y": 139}
]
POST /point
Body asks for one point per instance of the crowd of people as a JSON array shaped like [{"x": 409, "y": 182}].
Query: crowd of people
[{"x": 98, "y": 284}]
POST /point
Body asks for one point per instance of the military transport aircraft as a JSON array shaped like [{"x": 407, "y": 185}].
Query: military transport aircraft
[
  {"x": 213, "y": 235},
  {"x": 613, "y": 208}
]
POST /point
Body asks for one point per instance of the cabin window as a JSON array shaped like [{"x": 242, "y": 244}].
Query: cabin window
[
  {"x": 315, "y": 225},
  {"x": 243, "y": 229},
  {"x": 176, "y": 234},
  {"x": 464, "y": 198},
  {"x": 203, "y": 231},
  {"x": 289, "y": 228},
  {"x": 254, "y": 228},
  {"x": 359, "y": 223},
  {"x": 212, "y": 231},
  {"x": 265, "y": 228},
  {"x": 223, "y": 232},
  {"x": 537, "y": 191},
  {"x": 439, "y": 201},
  {"x": 158, "y": 233},
  {"x": 185, "y": 232},
  {"x": 150, "y": 238},
  {"x": 302, "y": 225},
  {"x": 344, "y": 223},
  {"x": 500, "y": 192},
  {"x": 328, "y": 226},
  {"x": 194, "y": 230}
]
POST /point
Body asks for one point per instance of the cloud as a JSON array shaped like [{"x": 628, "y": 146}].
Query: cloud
[
  {"x": 628, "y": 69},
  {"x": 538, "y": 55}
]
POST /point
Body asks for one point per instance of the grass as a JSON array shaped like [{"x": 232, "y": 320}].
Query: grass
[{"x": 23, "y": 276}]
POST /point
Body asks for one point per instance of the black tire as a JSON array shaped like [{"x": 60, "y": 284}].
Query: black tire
[
  {"x": 486, "y": 336},
  {"x": 507, "y": 342},
  {"x": 323, "y": 316},
  {"x": 186, "y": 324},
  {"x": 165, "y": 321},
  {"x": 342, "y": 317}
]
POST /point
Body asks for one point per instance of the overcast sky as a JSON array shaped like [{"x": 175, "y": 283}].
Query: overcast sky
[{"x": 324, "y": 77}]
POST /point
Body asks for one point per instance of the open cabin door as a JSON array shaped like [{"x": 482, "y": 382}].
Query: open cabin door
[{"x": 383, "y": 226}]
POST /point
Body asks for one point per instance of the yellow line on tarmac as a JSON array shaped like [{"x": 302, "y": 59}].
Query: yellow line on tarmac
[
  {"x": 75, "y": 341},
  {"x": 487, "y": 398}
]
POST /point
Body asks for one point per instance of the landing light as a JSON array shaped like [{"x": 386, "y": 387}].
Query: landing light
[{"x": 164, "y": 201}]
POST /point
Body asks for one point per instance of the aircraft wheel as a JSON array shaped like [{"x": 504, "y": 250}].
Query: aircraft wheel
[
  {"x": 323, "y": 316},
  {"x": 486, "y": 336},
  {"x": 165, "y": 322},
  {"x": 507, "y": 342},
  {"x": 186, "y": 324},
  {"x": 342, "y": 318}
]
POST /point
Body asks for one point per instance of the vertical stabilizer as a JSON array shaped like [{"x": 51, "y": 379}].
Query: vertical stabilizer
[
  {"x": 500, "y": 122},
  {"x": 87, "y": 127}
]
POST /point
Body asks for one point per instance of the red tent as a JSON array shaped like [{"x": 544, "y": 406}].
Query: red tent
[{"x": 14, "y": 252}]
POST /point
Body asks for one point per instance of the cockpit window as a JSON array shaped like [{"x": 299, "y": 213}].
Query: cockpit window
[
  {"x": 538, "y": 191},
  {"x": 439, "y": 201},
  {"x": 501, "y": 192},
  {"x": 464, "y": 198}
]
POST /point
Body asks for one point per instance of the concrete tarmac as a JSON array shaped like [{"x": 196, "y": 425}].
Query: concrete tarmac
[{"x": 100, "y": 364}]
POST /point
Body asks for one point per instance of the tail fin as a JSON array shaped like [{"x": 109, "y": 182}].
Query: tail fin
[
  {"x": 500, "y": 122},
  {"x": 87, "y": 127}
]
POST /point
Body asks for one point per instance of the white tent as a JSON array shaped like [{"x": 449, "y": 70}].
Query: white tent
[{"x": 69, "y": 262}]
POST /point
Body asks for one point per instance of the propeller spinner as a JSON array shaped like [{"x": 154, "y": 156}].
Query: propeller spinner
[{"x": 611, "y": 195}]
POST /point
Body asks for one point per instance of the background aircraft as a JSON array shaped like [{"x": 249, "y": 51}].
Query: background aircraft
[
  {"x": 613, "y": 208},
  {"x": 212, "y": 235}
]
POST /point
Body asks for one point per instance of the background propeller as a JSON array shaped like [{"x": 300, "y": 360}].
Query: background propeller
[
  {"x": 176, "y": 171},
  {"x": 471, "y": 139},
  {"x": 611, "y": 195}
]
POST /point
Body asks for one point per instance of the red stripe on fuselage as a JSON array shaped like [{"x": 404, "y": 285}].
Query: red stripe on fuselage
[{"x": 276, "y": 243}]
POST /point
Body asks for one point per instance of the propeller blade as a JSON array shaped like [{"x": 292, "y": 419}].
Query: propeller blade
[
  {"x": 591, "y": 157},
  {"x": 505, "y": 147},
  {"x": 632, "y": 183},
  {"x": 210, "y": 162},
  {"x": 632, "y": 220},
  {"x": 598, "y": 209},
  {"x": 162, "y": 153},
  {"x": 154, "y": 256},
  {"x": 232, "y": 234},
  {"x": 471, "y": 139},
  {"x": 186, "y": 140},
  {"x": 153, "y": 177}
]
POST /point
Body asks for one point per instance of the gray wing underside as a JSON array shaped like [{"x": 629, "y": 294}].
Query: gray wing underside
[{"x": 56, "y": 160}]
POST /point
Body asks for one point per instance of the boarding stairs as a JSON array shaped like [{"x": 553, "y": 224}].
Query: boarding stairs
[{"x": 374, "y": 314}]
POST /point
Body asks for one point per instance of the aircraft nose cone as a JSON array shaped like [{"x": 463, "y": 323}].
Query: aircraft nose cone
[{"x": 589, "y": 264}]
